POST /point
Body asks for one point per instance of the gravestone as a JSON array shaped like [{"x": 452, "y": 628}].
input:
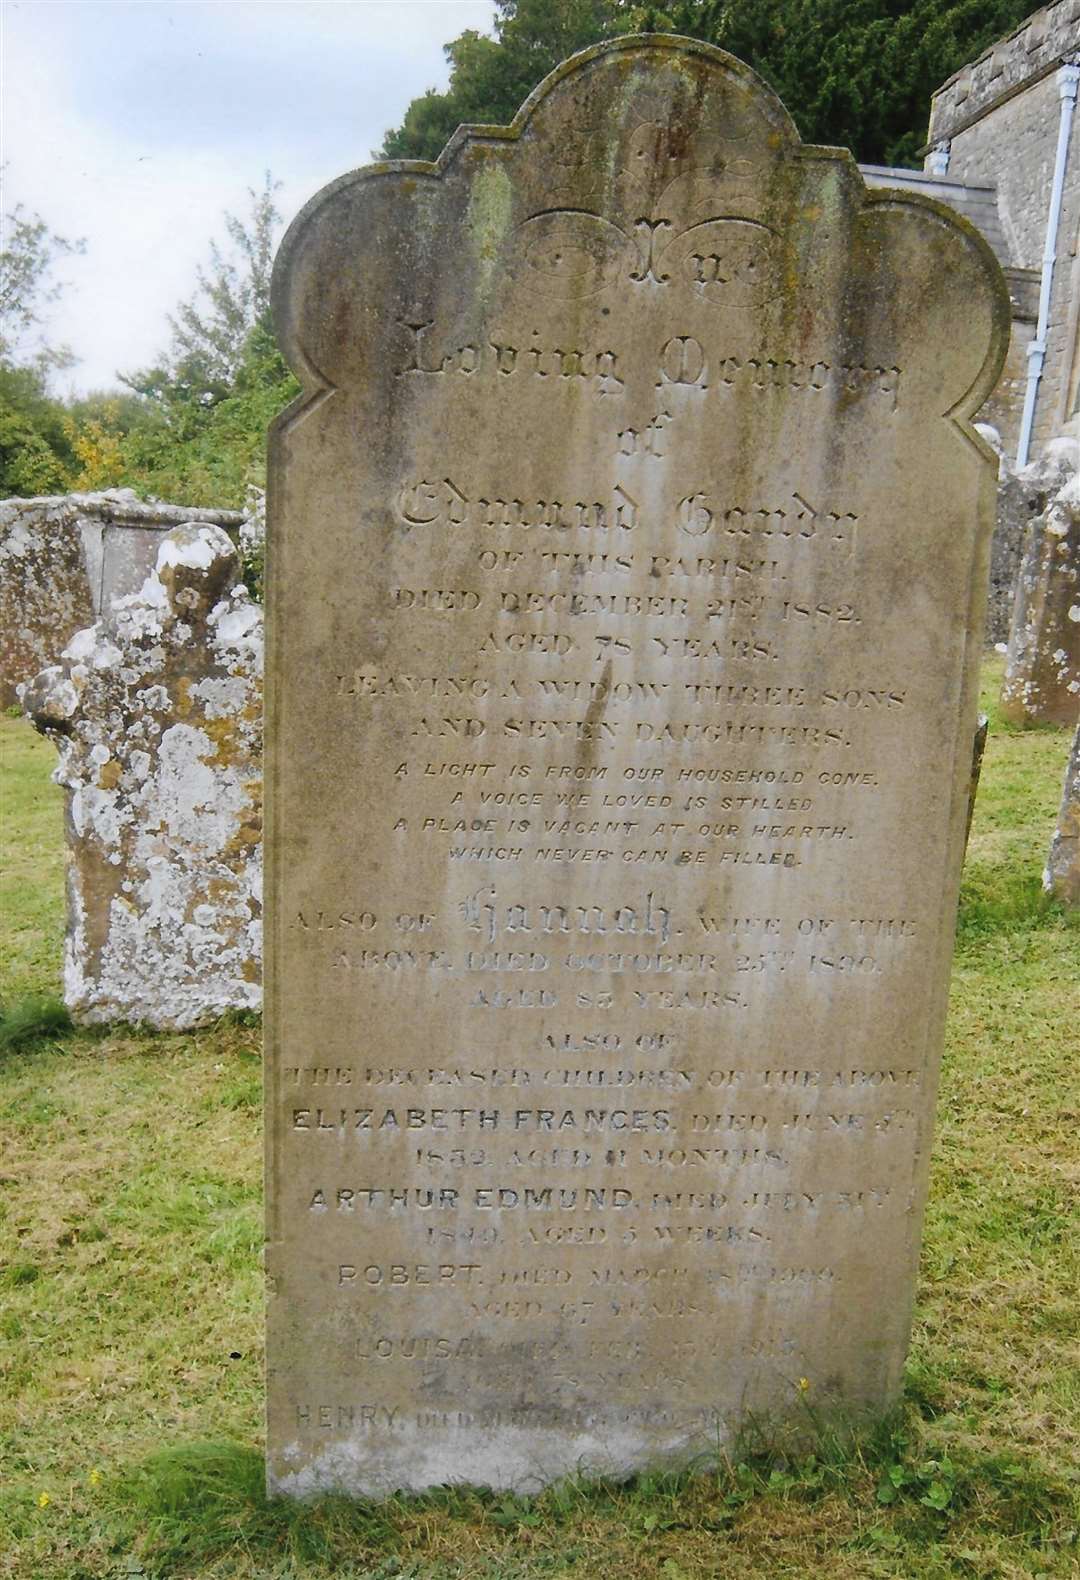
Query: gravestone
[
  {"x": 628, "y": 556},
  {"x": 1017, "y": 501},
  {"x": 1061, "y": 876},
  {"x": 64, "y": 558},
  {"x": 1042, "y": 669},
  {"x": 156, "y": 713}
]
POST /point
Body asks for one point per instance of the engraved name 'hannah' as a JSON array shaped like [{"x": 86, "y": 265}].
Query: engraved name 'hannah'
[{"x": 483, "y": 913}]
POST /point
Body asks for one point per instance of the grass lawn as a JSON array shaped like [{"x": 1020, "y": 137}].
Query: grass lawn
[{"x": 131, "y": 1315}]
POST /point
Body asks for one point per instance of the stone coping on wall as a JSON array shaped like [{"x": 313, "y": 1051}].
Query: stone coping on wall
[
  {"x": 123, "y": 507},
  {"x": 1004, "y": 69},
  {"x": 979, "y": 204},
  {"x": 1024, "y": 293}
]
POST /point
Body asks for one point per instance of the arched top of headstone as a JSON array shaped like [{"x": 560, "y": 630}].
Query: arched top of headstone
[
  {"x": 649, "y": 164},
  {"x": 741, "y": 101}
]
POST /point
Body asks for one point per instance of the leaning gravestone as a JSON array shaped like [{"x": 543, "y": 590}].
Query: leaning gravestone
[
  {"x": 628, "y": 551},
  {"x": 1061, "y": 876}
]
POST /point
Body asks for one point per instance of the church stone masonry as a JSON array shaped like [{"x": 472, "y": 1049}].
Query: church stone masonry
[
  {"x": 621, "y": 697},
  {"x": 1003, "y": 149}
]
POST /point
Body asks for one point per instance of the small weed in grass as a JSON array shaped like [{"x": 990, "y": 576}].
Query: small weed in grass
[
  {"x": 31, "y": 1020},
  {"x": 188, "y": 1505},
  {"x": 19, "y": 1273}
]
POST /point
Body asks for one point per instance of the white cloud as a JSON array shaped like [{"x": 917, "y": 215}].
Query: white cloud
[{"x": 137, "y": 125}]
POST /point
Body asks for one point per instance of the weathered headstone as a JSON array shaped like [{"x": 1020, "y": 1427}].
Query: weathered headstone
[
  {"x": 1062, "y": 873},
  {"x": 156, "y": 712},
  {"x": 1021, "y": 494},
  {"x": 64, "y": 558},
  {"x": 628, "y": 553},
  {"x": 1042, "y": 670},
  {"x": 1016, "y": 503}
]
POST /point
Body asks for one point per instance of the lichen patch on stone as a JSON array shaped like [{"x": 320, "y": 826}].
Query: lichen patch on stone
[{"x": 156, "y": 712}]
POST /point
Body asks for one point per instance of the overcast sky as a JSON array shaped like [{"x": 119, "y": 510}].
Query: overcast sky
[{"x": 137, "y": 123}]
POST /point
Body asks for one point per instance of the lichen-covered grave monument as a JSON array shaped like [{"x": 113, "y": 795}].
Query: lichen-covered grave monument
[{"x": 628, "y": 555}]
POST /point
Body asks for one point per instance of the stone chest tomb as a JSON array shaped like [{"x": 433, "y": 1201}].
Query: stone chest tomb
[{"x": 628, "y": 553}]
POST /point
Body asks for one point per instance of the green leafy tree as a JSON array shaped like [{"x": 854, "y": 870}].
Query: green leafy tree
[
  {"x": 35, "y": 452},
  {"x": 490, "y": 77},
  {"x": 192, "y": 427},
  {"x": 29, "y": 255},
  {"x": 96, "y": 427},
  {"x": 210, "y": 330},
  {"x": 207, "y": 403},
  {"x": 854, "y": 73},
  {"x": 210, "y": 456}
]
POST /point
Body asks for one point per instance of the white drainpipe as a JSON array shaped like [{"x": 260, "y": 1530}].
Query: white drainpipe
[
  {"x": 938, "y": 162},
  {"x": 1067, "y": 79}
]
